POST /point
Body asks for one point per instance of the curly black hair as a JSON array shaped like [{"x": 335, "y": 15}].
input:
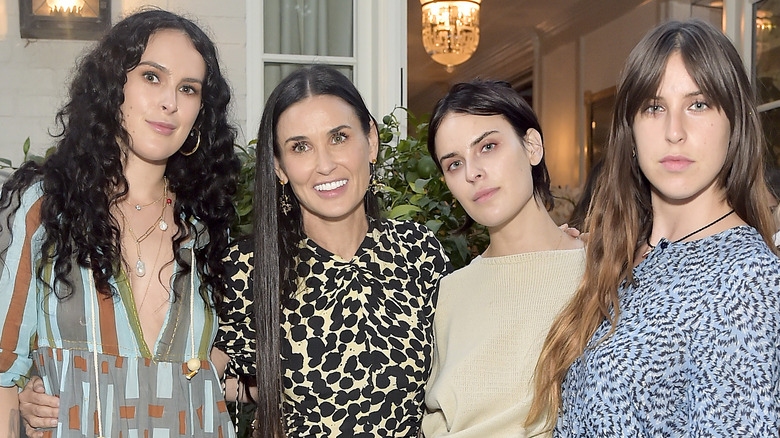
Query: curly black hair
[{"x": 85, "y": 173}]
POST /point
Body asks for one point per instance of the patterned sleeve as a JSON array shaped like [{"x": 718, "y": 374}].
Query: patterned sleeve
[
  {"x": 435, "y": 265},
  {"x": 236, "y": 334},
  {"x": 18, "y": 314},
  {"x": 736, "y": 354}
]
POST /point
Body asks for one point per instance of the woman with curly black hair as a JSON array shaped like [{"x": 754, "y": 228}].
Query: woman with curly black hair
[{"x": 111, "y": 249}]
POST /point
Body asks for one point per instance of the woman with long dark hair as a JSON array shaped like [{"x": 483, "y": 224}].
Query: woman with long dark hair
[
  {"x": 675, "y": 329},
  {"x": 343, "y": 299},
  {"x": 112, "y": 248}
]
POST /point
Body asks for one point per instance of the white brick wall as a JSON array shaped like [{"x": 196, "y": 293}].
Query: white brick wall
[{"x": 34, "y": 73}]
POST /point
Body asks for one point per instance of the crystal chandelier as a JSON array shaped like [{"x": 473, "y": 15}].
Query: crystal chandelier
[{"x": 450, "y": 30}]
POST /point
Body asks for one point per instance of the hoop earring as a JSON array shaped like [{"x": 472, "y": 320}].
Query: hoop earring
[
  {"x": 197, "y": 143},
  {"x": 284, "y": 200},
  {"x": 375, "y": 186}
]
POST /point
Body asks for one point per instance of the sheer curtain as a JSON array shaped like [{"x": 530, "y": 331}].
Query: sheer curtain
[{"x": 302, "y": 32}]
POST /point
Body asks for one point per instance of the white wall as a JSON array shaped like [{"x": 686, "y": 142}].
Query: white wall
[
  {"x": 590, "y": 63},
  {"x": 34, "y": 73},
  {"x": 558, "y": 114}
]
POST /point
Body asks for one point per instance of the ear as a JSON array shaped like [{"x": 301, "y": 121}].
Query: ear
[
  {"x": 533, "y": 146},
  {"x": 279, "y": 172},
  {"x": 373, "y": 141}
]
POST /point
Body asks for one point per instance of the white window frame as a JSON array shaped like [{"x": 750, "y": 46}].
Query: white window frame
[{"x": 378, "y": 62}]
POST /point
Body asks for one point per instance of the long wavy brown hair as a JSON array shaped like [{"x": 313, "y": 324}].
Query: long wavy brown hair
[{"x": 621, "y": 216}]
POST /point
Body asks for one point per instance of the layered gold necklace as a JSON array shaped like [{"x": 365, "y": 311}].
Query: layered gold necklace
[{"x": 140, "y": 266}]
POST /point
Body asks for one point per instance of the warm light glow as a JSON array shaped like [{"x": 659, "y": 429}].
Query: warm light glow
[
  {"x": 65, "y": 7},
  {"x": 450, "y": 30}
]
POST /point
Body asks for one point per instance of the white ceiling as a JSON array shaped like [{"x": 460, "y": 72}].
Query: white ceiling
[{"x": 507, "y": 29}]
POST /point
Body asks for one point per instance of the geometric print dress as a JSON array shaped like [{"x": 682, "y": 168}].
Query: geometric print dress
[
  {"x": 696, "y": 350},
  {"x": 142, "y": 391}
]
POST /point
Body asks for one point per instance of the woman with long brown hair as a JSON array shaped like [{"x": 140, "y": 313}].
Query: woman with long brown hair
[{"x": 675, "y": 329}]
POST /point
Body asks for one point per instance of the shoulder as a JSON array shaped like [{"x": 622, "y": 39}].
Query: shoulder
[
  {"x": 743, "y": 252},
  {"x": 407, "y": 233}
]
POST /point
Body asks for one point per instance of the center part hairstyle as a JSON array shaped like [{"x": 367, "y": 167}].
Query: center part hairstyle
[
  {"x": 492, "y": 98},
  {"x": 278, "y": 235},
  {"x": 621, "y": 215},
  {"x": 85, "y": 173}
]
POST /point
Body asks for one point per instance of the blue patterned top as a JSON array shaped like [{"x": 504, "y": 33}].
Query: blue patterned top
[{"x": 696, "y": 351}]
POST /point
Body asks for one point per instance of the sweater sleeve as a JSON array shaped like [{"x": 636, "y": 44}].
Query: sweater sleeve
[
  {"x": 20, "y": 222},
  {"x": 236, "y": 334},
  {"x": 735, "y": 388}
]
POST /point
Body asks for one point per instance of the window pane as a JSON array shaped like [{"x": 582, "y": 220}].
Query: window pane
[
  {"x": 767, "y": 50},
  {"x": 275, "y": 72},
  {"x": 308, "y": 27}
]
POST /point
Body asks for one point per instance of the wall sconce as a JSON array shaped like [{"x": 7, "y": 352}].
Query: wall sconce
[
  {"x": 450, "y": 30},
  {"x": 64, "y": 19}
]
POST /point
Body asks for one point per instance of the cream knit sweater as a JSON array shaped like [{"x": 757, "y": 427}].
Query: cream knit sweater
[{"x": 491, "y": 321}]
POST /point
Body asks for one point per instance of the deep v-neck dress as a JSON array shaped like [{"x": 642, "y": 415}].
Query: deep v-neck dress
[{"x": 142, "y": 390}]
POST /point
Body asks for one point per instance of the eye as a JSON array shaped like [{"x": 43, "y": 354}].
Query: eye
[
  {"x": 699, "y": 105},
  {"x": 188, "y": 89},
  {"x": 151, "y": 77},
  {"x": 653, "y": 108},
  {"x": 488, "y": 147},
  {"x": 454, "y": 165},
  {"x": 339, "y": 138},
  {"x": 300, "y": 147}
]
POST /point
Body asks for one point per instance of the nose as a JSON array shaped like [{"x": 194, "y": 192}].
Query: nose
[
  {"x": 675, "y": 127},
  {"x": 325, "y": 161},
  {"x": 474, "y": 171},
  {"x": 168, "y": 100}
]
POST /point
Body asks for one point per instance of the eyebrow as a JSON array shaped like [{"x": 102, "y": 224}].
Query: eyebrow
[
  {"x": 168, "y": 72},
  {"x": 474, "y": 142},
  {"x": 303, "y": 137}
]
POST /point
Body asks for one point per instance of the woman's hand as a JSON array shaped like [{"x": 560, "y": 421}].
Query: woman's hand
[{"x": 38, "y": 408}]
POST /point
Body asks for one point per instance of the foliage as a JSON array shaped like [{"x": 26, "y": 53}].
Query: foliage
[
  {"x": 414, "y": 189},
  {"x": 5, "y": 163},
  {"x": 245, "y": 190}
]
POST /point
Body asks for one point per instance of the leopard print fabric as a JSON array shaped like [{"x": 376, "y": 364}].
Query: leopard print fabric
[{"x": 357, "y": 333}]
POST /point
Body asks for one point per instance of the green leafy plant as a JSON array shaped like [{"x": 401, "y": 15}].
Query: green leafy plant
[
  {"x": 414, "y": 189},
  {"x": 5, "y": 163},
  {"x": 245, "y": 190}
]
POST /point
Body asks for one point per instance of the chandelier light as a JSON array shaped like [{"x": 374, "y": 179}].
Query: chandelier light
[{"x": 450, "y": 30}]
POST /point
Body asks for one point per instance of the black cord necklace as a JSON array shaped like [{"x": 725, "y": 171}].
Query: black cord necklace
[{"x": 652, "y": 247}]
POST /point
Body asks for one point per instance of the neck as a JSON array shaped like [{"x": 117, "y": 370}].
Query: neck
[
  {"x": 341, "y": 237},
  {"x": 145, "y": 182},
  {"x": 675, "y": 222},
  {"x": 530, "y": 231}
]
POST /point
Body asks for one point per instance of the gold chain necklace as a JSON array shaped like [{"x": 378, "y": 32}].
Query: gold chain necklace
[{"x": 140, "y": 266}]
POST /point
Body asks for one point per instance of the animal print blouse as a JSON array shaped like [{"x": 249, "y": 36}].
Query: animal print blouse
[{"x": 357, "y": 333}]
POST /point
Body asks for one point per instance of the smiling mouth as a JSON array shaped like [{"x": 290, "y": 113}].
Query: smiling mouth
[{"x": 333, "y": 185}]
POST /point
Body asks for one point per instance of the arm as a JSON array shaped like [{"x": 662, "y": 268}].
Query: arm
[
  {"x": 9, "y": 406},
  {"x": 735, "y": 354},
  {"x": 18, "y": 313},
  {"x": 235, "y": 341}
]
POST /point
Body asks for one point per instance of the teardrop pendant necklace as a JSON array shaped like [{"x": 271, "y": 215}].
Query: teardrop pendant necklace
[{"x": 140, "y": 266}]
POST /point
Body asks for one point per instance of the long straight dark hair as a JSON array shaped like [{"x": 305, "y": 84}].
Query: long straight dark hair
[
  {"x": 278, "y": 235},
  {"x": 621, "y": 213}
]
